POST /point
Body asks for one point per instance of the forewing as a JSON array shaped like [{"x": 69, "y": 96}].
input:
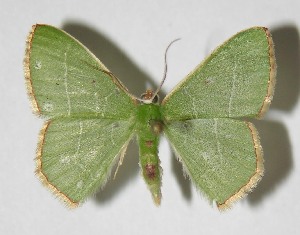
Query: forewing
[
  {"x": 65, "y": 79},
  {"x": 236, "y": 80},
  {"x": 223, "y": 157},
  {"x": 75, "y": 156}
]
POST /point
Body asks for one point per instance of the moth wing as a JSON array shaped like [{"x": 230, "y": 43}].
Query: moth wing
[
  {"x": 222, "y": 157},
  {"x": 236, "y": 80},
  {"x": 75, "y": 156},
  {"x": 65, "y": 79}
]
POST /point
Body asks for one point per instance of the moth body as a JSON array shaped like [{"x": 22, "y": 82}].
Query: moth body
[{"x": 148, "y": 128}]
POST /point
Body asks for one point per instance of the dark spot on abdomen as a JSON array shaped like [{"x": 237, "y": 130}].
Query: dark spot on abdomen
[
  {"x": 149, "y": 143},
  {"x": 150, "y": 170}
]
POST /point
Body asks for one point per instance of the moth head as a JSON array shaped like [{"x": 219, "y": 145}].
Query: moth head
[{"x": 149, "y": 97}]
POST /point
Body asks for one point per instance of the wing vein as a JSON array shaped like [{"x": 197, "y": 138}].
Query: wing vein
[
  {"x": 217, "y": 137},
  {"x": 66, "y": 83},
  {"x": 79, "y": 138},
  {"x": 232, "y": 90}
]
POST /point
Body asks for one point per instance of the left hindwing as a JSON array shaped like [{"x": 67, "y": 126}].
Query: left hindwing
[{"x": 75, "y": 156}]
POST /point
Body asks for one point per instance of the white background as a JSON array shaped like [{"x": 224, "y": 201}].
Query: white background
[{"x": 130, "y": 37}]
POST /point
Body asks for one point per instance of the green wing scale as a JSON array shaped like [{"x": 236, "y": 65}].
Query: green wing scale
[
  {"x": 89, "y": 111},
  {"x": 223, "y": 156}
]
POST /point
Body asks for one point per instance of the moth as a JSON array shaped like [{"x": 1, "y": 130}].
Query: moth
[{"x": 90, "y": 117}]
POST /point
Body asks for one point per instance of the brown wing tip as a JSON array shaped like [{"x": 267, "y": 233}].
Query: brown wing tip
[
  {"x": 27, "y": 72},
  {"x": 43, "y": 178},
  {"x": 36, "y": 110},
  {"x": 254, "y": 179},
  {"x": 272, "y": 75}
]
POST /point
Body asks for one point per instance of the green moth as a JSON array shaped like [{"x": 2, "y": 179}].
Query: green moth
[{"x": 91, "y": 117}]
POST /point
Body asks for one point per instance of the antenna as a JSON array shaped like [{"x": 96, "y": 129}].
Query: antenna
[{"x": 166, "y": 70}]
